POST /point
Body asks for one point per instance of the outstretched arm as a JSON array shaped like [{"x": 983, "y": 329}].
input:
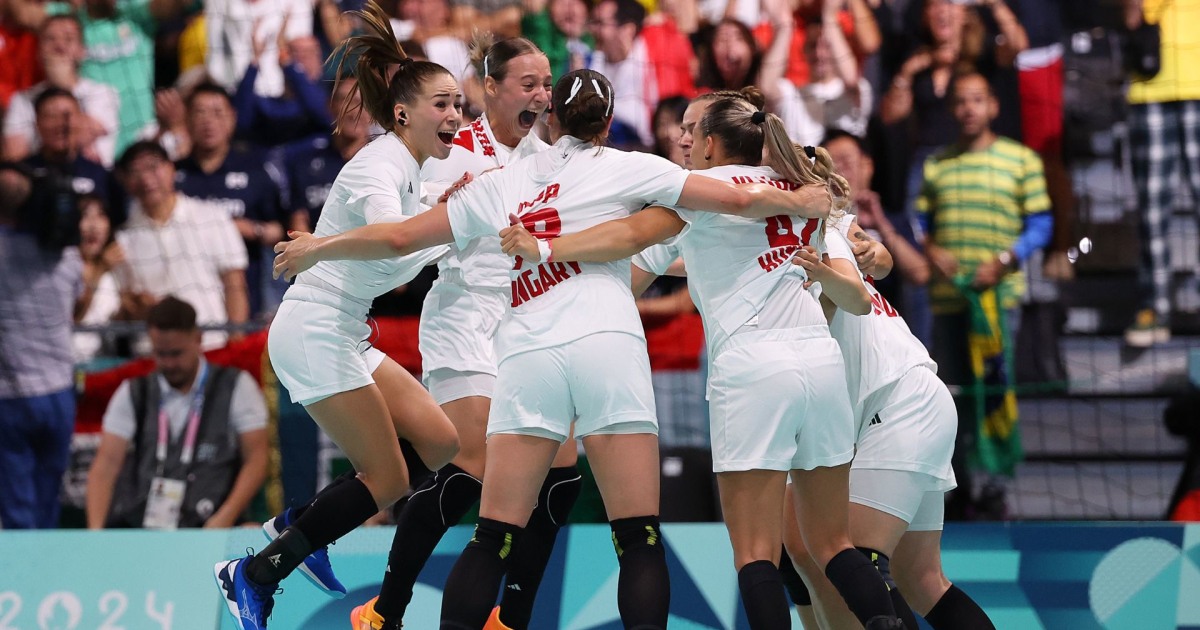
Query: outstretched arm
[
  {"x": 370, "y": 242},
  {"x": 609, "y": 241},
  {"x": 757, "y": 201}
]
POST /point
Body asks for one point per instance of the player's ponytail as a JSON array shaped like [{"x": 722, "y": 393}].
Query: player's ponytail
[{"x": 386, "y": 74}]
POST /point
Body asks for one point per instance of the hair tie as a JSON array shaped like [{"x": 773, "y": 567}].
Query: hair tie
[
  {"x": 759, "y": 117},
  {"x": 811, "y": 152},
  {"x": 485, "y": 64},
  {"x": 575, "y": 85}
]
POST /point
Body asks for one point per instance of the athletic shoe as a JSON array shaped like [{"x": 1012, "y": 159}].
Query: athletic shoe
[
  {"x": 364, "y": 617},
  {"x": 1147, "y": 329},
  {"x": 248, "y": 602},
  {"x": 494, "y": 623},
  {"x": 316, "y": 566}
]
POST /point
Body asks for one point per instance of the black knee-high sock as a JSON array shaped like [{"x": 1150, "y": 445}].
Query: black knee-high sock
[
  {"x": 330, "y": 516},
  {"x": 418, "y": 473},
  {"x": 792, "y": 581},
  {"x": 471, "y": 587},
  {"x": 761, "y": 586},
  {"x": 530, "y": 557},
  {"x": 297, "y": 512},
  {"x": 883, "y": 565},
  {"x": 957, "y": 611},
  {"x": 644, "y": 587},
  {"x": 435, "y": 507},
  {"x": 860, "y": 585}
]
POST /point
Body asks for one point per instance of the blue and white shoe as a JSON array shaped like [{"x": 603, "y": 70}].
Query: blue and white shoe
[
  {"x": 316, "y": 566},
  {"x": 249, "y": 603}
]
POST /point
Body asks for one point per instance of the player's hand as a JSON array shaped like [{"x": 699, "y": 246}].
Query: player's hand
[
  {"x": 467, "y": 178},
  {"x": 295, "y": 256},
  {"x": 864, "y": 255},
  {"x": 811, "y": 261},
  {"x": 516, "y": 241}
]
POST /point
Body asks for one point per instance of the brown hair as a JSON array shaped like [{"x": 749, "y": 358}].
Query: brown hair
[
  {"x": 171, "y": 313},
  {"x": 583, "y": 103},
  {"x": 709, "y": 76},
  {"x": 751, "y": 94},
  {"x": 378, "y": 52},
  {"x": 490, "y": 57}
]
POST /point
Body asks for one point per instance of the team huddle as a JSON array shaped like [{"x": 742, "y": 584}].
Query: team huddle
[{"x": 830, "y": 429}]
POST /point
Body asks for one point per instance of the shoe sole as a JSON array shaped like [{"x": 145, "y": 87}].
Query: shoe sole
[
  {"x": 269, "y": 531},
  {"x": 230, "y": 605}
]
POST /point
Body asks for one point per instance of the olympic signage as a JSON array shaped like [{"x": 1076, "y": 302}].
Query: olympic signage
[{"x": 1029, "y": 576}]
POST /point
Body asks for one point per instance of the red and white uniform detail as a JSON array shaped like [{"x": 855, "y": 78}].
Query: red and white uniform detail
[{"x": 566, "y": 189}]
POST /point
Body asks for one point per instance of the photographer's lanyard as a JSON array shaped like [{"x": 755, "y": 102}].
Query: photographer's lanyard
[{"x": 189, "y": 433}]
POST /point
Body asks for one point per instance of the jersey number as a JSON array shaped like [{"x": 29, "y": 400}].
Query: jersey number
[{"x": 781, "y": 233}]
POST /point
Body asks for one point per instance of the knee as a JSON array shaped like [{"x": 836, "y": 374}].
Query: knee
[
  {"x": 922, "y": 585},
  {"x": 440, "y": 448},
  {"x": 386, "y": 489},
  {"x": 637, "y": 535},
  {"x": 755, "y": 551}
]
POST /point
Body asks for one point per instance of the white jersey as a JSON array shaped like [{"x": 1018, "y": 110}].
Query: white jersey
[
  {"x": 878, "y": 347},
  {"x": 380, "y": 184},
  {"x": 565, "y": 189},
  {"x": 480, "y": 263},
  {"x": 740, "y": 270}
]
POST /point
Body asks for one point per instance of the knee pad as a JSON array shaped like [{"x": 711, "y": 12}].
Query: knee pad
[
  {"x": 494, "y": 536},
  {"x": 452, "y": 491},
  {"x": 637, "y": 534},
  {"x": 882, "y": 564},
  {"x": 558, "y": 495},
  {"x": 792, "y": 581}
]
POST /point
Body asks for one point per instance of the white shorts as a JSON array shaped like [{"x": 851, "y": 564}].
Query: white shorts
[
  {"x": 446, "y": 385},
  {"x": 909, "y": 425},
  {"x": 778, "y": 401},
  {"x": 912, "y": 497},
  {"x": 318, "y": 349},
  {"x": 601, "y": 382},
  {"x": 458, "y": 329}
]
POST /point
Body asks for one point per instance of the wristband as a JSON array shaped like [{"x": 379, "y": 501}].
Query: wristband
[{"x": 544, "y": 250}]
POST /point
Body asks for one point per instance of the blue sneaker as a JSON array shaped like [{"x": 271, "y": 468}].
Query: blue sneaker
[
  {"x": 249, "y": 603},
  {"x": 316, "y": 566}
]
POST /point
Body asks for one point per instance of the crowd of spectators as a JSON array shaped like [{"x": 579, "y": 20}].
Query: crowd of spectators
[{"x": 183, "y": 139}]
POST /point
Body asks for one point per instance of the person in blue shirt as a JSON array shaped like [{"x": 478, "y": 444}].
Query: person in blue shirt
[
  {"x": 56, "y": 114},
  {"x": 235, "y": 179},
  {"x": 300, "y": 111}
]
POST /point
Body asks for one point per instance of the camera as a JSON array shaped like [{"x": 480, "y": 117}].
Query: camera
[{"x": 51, "y": 211}]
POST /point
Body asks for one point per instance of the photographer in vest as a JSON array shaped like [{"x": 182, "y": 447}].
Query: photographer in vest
[{"x": 184, "y": 446}]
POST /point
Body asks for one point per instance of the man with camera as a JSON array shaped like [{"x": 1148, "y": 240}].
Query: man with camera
[{"x": 40, "y": 277}]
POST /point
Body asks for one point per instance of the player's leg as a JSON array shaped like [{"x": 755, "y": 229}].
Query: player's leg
[{"x": 752, "y": 502}]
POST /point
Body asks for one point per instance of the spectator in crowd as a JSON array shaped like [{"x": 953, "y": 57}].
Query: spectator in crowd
[
  {"x": 301, "y": 110},
  {"x": 857, "y": 23},
  {"x": 310, "y": 166},
  {"x": 428, "y": 23},
  {"x": 60, "y": 51},
  {"x": 57, "y": 123},
  {"x": 183, "y": 446},
  {"x": 668, "y": 119},
  {"x": 119, "y": 36},
  {"x": 1164, "y": 129},
  {"x": 231, "y": 28},
  {"x": 19, "y": 43},
  {"x": 500, "y": 17},
  {"x": 732, "y": 59},
  {"x": 854, "y": 163},
  {"x": 984, "y": 209},
  {"x": 39, "y": 280},
  {"x": 836, "y": 96},
  {"x": 641, "y": 75},
  {"x": 103, "y": 259},
  {"x": 177, "y": 245},
  {"x": 233, "y": 179},
  {"x": 559, "y": 28}
]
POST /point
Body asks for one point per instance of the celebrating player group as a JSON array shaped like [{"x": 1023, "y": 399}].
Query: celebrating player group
[{"x": 830, "y": 431}]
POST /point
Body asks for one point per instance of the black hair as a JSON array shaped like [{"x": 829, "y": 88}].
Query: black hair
[
  {"x": 137, "y": 150},
  {"x": 629, "y": 12},
  {"x": 62, "y": 17},
  {"x": 590, "y": 109},
  {"x": 50, "y": 93},
  {"x": 834, "y": 134},
  {"x": 377, "y": 51},
  {"x": 171, "y": 313},
  {"x": 490, "y": 57},
  {"x": 208, "y": 87}
]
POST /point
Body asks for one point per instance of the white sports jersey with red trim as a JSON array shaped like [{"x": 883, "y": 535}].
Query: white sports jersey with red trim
[
  {"x": 740, "y": 270},
  {"x": 380, "y": 184},
  {"x": 878, "y": 347},
  {"x": 565, "y": 189},
  {"x": 480, "y": 263}
]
